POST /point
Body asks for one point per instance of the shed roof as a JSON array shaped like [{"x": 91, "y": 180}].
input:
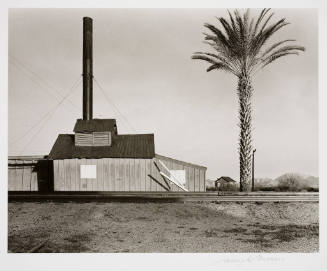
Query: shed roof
[
  {"x": 124, "y": 146},
  {"x": 179, "y": 162},
  {"x": 95, "y": 125},
  {"x": 226, "y": 179}
]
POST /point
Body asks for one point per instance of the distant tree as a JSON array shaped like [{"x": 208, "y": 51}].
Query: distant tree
[
  {"x": 291, "y": 182},
  {"x": 239, "y": 49}
]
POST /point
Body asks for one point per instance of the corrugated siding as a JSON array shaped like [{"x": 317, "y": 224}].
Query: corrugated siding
[
  {"x": 124, "y": 175},
  {"x": 112, "y": 175},
  {"x": 22, "y": 175},
  {"x": 195, "y": 175}
]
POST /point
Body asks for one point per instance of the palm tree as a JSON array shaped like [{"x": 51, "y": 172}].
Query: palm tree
[{"x": 240, "y": 49}]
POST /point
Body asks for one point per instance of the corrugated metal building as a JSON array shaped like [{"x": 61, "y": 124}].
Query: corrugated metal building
[
  {"x": 123, "y": 163},
  {"x": 30, "y": 173},
  {"x": 97, "y": 158}
]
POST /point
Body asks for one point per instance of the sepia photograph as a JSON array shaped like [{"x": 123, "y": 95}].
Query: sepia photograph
[{"x": 163, "y": 130}]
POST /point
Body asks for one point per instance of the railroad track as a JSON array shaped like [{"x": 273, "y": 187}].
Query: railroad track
[{"x": 167, "y": 196}]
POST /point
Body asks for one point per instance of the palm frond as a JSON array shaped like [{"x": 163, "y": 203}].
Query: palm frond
[
  {"x": 219, "y": 34},
  {"x": 218, "y": 62},
  {"x": 266, "y": 22},
  {"x": 219, "y": 57},
  {"x": 240, "y": 24},
  {"x": 232, "y": 21},
  {"x": 232, "y": 35},
  {"x": 239, "y": 42},
  {"x": 267, "y": 51},
  {"x": 251, "y": 26},
  {"x": 219, "y": 66},
  {"x": 285, "y": 49},
  {"x": 262, "y": 14},
  {"x": 205, "y": 58},
  {"x": 275, "y": 57},
  {"x": 262, "y": 37}
]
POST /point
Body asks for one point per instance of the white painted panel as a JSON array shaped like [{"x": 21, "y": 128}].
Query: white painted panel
[
  {"x": 179, "y": 174},
  {"x": 88, "y": 171}
]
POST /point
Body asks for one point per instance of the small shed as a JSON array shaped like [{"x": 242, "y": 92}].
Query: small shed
[
  {"x": 29, "y": 173},
  {"x": 223, "y": 180}
]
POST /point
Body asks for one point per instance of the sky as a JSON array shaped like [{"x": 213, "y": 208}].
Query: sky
[{"x": 142, "y": 61}]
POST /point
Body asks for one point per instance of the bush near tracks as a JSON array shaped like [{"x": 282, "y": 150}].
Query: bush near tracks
[{"x": 289, "y": 182}]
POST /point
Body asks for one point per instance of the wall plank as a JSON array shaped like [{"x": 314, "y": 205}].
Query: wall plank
[
  {"x": 190, "y": 170},
  {"x": 55, "y": 175},
  {"x": 20, "y": 175},
  {"x": 117, "y": 187},
  {"x": 153, "y": 174},
  {"x": 88, "y": 181},
  {"x": 111, "y": 174},
  {"x": 168, "y": 164},
  {"x": 73, "y": 173},
  {"x": 197, "y": 180},
  {"x": 61, "y": 175},
  {"x": 142, "y": 174},
  {"x": 127, "y": 174},
  {"x": 202, "y": 180},
  {"x": 100, "y": 171},
  {"x": 82, "y": 181},
  {"x": 106, "y": 174},
  {"x": 67, "y": 172},
  {"x": 179, "y": 167},
  {"x": 95, "y": 182},
  {"x": 11, "y": 176},
  {"x": 137, "y": 175},
  {"x": 132, "y": 178},
  {"x": 26, "y": 177},
  {"x": 171, "y": 165},
  {"x": 121, "y": 174},
  {"x": 102, "y": 175},
  {"x": 147, "y": 172},
  {"x": 192, "y": 176},
  {"x": 158, "y": 176},
  {"x": 77, "y": 177},
  {"x": 34, "y": 186}
]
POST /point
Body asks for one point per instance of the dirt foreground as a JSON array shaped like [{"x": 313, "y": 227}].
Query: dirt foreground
[{"x": 163, "y": 227}]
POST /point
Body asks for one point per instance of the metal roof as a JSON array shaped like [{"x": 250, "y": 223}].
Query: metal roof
[
  {"x": 95, "y": 125},
  {"x": 180, "y": 162},
  {"x": 226, "y": 179},
  {"x": 123, "y": 146}
]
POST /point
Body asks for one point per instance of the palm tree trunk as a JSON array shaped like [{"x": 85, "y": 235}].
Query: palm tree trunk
[{"x": 244, "y": 92}]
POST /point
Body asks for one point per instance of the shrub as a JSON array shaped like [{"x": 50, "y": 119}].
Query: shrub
[
  {"x": 229, "y": 187},
  {"x": 290, "y": 182}
]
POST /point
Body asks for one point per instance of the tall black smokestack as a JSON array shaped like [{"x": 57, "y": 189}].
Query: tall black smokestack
[{"x": 87, "y": 69}]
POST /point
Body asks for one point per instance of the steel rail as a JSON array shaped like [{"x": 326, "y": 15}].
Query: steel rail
[{"x": 173, "y": 196}]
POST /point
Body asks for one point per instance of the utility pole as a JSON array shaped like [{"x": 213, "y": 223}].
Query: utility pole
[{"x": 253, "y": 169}]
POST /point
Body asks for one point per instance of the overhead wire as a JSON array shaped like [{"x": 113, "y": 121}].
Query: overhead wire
[
  {"x": 46, "y": 120},
  {"x": 15, "y": 61},
  {"x": 114, "y": 106},
  {"x": 73, "y": 88},
  {"x": 45, "y": 88},
  {"x": 29, "y": 72}
]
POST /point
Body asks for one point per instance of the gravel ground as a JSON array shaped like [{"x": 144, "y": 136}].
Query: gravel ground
[{"x": 163, "y": 227}]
